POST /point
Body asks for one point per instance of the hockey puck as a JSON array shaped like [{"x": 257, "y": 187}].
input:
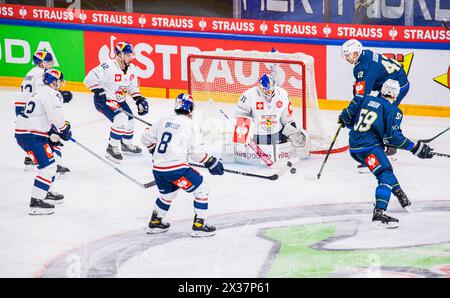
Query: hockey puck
[
  {"x": 289, "y": 164},
  {"x": 293, "y": 170}
]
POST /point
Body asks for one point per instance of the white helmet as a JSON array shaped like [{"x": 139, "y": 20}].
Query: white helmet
[
  {"x": 391, "y": 88},
  {"x": 349, "y": 47}
]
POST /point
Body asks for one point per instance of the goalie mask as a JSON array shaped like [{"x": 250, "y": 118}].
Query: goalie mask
[{"x": 267, "y": 87}]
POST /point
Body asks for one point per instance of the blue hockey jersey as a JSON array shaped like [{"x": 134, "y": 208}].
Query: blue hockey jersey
[
  {"x": 370, "y": 120},
  {"x": 372, "y": 70}
]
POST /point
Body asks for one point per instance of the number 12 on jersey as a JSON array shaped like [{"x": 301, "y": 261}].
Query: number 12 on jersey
[{"x": 365, "y": 121}]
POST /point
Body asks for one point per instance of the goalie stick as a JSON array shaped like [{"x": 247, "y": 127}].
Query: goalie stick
[
  {"x": 146, "y": 185},
  {"x": 252, "y": 144},
  {"x": 270, "y": 177}
]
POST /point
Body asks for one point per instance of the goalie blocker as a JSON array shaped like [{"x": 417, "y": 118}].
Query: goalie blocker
[{"x": 289, "y": 143}]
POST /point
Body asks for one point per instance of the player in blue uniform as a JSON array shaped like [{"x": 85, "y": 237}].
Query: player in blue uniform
[
  {"x": 371, "y": 70},
  {"x": 370, "y": 120}
]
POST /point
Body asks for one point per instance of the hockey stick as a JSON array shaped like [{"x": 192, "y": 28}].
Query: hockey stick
[
  {"x": 440, "y": 154},
  {"x": 146, "y": 185},
  {"x": 252, "y": 144},
  {"x": 328, "y": 153},
  {"x": 271, "y": 177},
  {"x": 431, "y": 139},
  {"x": 135, "y": 117}
]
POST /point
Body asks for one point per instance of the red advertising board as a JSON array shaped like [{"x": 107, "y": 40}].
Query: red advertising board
[
  {"x": 223, "y": 25},
  {"x": 162, "y": 60}
]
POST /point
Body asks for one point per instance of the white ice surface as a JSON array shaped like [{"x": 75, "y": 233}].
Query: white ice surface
[{"x": 99, "y": 202}]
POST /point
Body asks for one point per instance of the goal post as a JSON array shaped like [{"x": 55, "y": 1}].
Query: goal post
[{"x": 225, "y": 75}]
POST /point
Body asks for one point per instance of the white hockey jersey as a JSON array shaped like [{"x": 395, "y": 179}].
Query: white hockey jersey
[
  {"x": 33, "y": 80},
  {"x": 269, "y": 117},
  {"x": 41, "y": 111},
  {"x": 177, "y": 139},
  {"x": 113, "y": 80}
]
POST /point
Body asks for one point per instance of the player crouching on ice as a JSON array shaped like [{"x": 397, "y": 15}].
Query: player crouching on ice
[
  {"x": 43, "y": 110},
  {"x": 369, "y": 121},
  {"x": 172, "y": 141},
  {"x": 269, "y": 108},
  {"x": 111, "y": 81}
]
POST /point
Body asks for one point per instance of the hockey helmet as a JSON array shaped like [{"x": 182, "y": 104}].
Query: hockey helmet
[
  {"x": 390, "y": 89},
  {"x": 184, "y": 102},
  {"x": 42, "y": 56},
  {"x": 349, "y": 47},
  {"x": 54, "y": 78}
]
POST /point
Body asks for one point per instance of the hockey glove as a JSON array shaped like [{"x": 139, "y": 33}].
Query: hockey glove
[
  {"x": 141, "y": 104},
  {"x": 66, "y": 133},
  {"x": 422, "y": 150},
  {"x": 55, "y": 140},
  {"x": 341, "y": 121},
  {"x": 151, "y": 148},
  {"x": 214, "y": 166},
  {"x": 295, "y": 135},
  {"x": 99, "y": 96},
  {"x": 67, "y": 96}
]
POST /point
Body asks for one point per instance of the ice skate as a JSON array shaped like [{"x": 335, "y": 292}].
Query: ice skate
[
  {"x": 54, "y": 198},
  {"x": 29, "y": 164},
  {"x": 201, "y": 229},
  {"x": 39, "y": 207},
  {"x": 157, "y": 225},
  {"x": 130, "y": 149},
  {"x": 61, "y": 170},
  {"x": 113, "y": 154},
  {"x": 379, "y": 219},
  {"x": 403, "y": 199}
]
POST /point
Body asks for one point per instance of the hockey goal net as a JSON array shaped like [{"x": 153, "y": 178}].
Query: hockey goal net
[{"x": 222, "y": 76}]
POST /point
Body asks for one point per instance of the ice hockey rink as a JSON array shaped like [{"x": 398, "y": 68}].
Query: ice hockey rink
[{"x": 291, "y": 227}]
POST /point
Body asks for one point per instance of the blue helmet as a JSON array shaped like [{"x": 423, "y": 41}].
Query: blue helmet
[
  {"x": 124, "y": 47},
  {"x": 42, "y": 56},
  {"x": 184, "y": 102},
  {"x": 266, "y": 85},
  {"x": 52, "y": 75}
]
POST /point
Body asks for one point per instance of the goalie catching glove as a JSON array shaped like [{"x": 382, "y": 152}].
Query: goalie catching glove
[{"x": 296, "y": 135}]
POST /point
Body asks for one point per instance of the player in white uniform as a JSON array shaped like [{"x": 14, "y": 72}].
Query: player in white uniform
[
  {"x": 111, "y": 81},
  {"x": 42, "y": 111},
  {"x": 174, "y": 140},
  {"x": 269, "y": 107},
  {"x": 42, "y": 60}
]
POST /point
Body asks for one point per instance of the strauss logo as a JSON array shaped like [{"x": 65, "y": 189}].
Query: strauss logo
[{"x": 242, "y": 131}]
